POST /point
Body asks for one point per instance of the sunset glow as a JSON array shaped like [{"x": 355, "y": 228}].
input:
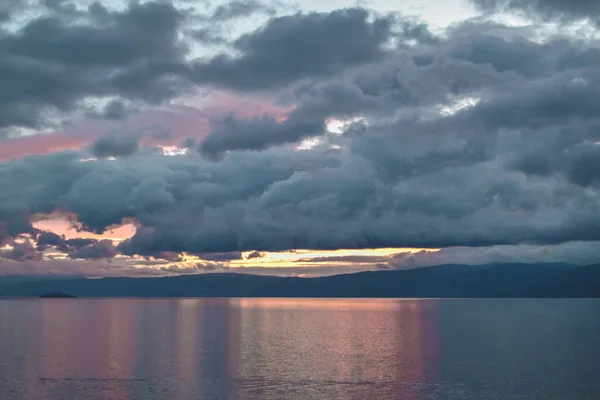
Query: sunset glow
[
  {"x": 62, "y": 226},
  {"x": 68, "y": 229}
]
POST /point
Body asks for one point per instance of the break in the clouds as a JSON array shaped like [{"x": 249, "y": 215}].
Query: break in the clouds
[
  {"x": 481, "y": 139},
  {"x": 554, "y": 9}
]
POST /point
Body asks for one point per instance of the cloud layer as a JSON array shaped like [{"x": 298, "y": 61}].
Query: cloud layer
[{"x": 483, "y": 136}]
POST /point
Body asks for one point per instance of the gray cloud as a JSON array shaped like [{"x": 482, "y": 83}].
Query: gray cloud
[
  {"x": 329, "y": 200},
  {"x": 481, "y": 138},
  {"x": 189, "y": 143},
  {"x": 9, "y": 7},
  {"x": 115, "y": 110},
  {"x": 565, "y": 10},
  {"x": 71, "y": 55},
  {"x": 291, "y": 47},
  {"x": 46, "y": 239},
  {"x": 240, "y": 8},
  {"x": 255, "y": 254},
  {"x": 231, "y": 133},
  {"x": 582, "y": 253},
  {"x": 22, "y": 252},
  {"x": 169, "y": 256},
  {"x": 78, "y": 243},
  {"x": 89, "y": 268},
  {"x": 103, "y": 38},
  {"x": 60, "y": 59},
  {"x": 229, "y": 256},
  {"x": 208, "y": 36},
  {"x": 103, "y": 249},
  {"x": 114, "y": 145},
  {"x": 96, "y": 268},
  {"x": 201, "y": 267}
]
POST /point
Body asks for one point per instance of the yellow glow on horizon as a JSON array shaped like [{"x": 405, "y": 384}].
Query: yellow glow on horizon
[
  {"x": 63, "y": 225},
  {"x": 302, "y": 257}
]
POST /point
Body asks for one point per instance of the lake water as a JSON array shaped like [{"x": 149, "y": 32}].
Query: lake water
[{"x": 177, "y": 349}]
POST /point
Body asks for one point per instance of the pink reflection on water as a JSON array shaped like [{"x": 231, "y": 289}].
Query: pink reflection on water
[{"x": 215, "y": 348}]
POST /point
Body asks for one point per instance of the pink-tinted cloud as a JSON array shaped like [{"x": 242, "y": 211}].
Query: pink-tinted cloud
[
  {"x": 41, "y": 144},
  {"x": 60, "y": 225},
  {"x": 167, "y": 126}
]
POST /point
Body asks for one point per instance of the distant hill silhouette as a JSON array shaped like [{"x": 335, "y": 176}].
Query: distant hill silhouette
[
  {"x": 449, "y": 281},
  {"x": 57, "y": 295}
]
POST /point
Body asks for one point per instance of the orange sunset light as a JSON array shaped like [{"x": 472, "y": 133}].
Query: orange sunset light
[{"x": 63, "y": 225}]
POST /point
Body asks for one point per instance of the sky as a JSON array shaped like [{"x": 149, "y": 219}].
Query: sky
[{"x": 305, "y": 138}]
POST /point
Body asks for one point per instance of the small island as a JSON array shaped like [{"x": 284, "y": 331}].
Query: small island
[{"x": 57, "y": 295}]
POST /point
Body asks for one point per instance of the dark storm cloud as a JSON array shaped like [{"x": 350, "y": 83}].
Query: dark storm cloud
[
  {"x": 21, "y": 252},
  {"x": 57, "y": 60},
  {"x": 169, "y": 256},
  {"x": 69, "y": 54},
  {"x": 329, "y": 200},
  {"x": 78, "y": 243},
  {"x": 481, "y": 137},
  {"x": 443, "y": 179},
  {"x": 114, "y": 110},
  {"x": 482, "y": 60},
  {"x": 292, "y": 47},
  {"x": 229, "y": 256},
  {"x": 114, "y": 145},
  {"x": 14, "y": 218},
  {"x": 95, "y": 42},
  {"x": 46, "y": 239},
  {"x": 565, "y": 10},
  {"x": 254, "y": 255},
  {"x": 103, "y": 249},
  {"x": 576, "y": 160},
  {"x": 189, "y": 143},
  {"x": 371, "y": 90},
  {"x": 231, "y": 133}
]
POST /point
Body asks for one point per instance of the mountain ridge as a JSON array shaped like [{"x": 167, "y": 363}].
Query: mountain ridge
[{"x": 447, "y": 281}]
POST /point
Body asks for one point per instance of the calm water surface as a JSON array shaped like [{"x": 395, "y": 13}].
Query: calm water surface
[{"x": 176, "y": 349}]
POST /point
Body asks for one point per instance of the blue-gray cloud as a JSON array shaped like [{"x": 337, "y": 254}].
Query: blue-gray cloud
[
  {"x": 554, "y": 9},
  {"x": 481, "y": 137},
  {"x": 114, "y": 145},
  {"x": 71, "y": 53},
  {"x": 298, "y": 46}
]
